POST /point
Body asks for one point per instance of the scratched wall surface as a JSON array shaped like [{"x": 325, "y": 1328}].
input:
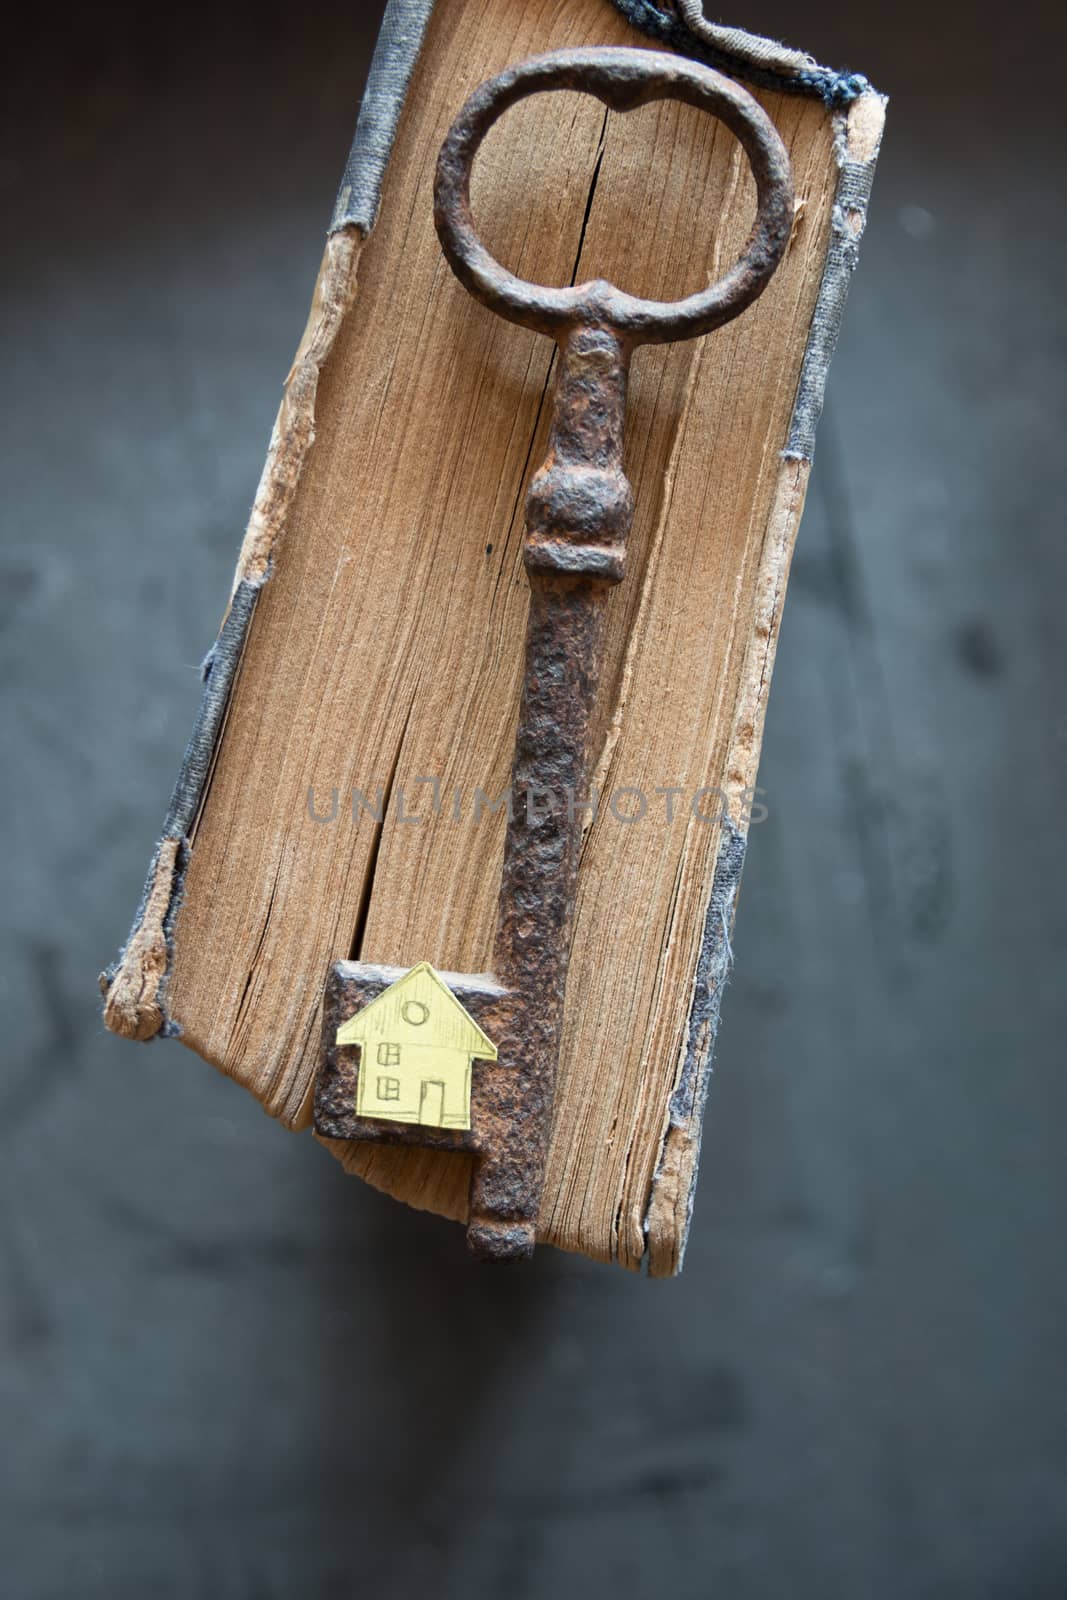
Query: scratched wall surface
[{"x": 228, "y": 1371}]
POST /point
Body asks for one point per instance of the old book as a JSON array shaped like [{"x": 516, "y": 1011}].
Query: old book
[{"x": 339, "y": 795}]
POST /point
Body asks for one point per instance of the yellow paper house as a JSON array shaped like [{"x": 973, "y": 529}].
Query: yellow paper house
[{"x": 416, "y": 1047}]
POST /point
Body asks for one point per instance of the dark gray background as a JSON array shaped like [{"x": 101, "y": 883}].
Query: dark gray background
[{"x": 230, "y": 1372}]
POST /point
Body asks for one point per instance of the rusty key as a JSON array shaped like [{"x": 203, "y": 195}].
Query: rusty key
[{"x": 504, "y": 1033}]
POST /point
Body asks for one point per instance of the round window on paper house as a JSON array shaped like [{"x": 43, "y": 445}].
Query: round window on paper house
[{"x": 415, "y": 1012}]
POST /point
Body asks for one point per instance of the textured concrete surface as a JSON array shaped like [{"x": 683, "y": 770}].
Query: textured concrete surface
[{"x": 229, "y": 1372}]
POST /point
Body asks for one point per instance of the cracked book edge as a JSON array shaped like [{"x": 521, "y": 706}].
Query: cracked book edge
[
  {"x": 670, "y": 1203},
  {"x": 674, "y": 1181},
  {"x": 134, "y": 986},
  {"x": 857, "y": 139},
  {"x": 858, "y": 127}
]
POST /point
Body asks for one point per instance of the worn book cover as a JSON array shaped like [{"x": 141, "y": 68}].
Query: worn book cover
[{"x": 340, "y": 796}]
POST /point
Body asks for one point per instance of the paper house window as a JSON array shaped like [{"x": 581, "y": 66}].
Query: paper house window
[
  {"x": 388, "y": 1055},
  {"x": 388, "y": 1088}
]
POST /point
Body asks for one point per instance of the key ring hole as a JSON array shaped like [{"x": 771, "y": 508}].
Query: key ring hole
[
  {"x": 640, "y": 211},
  {"x": 621, "y": 79}
]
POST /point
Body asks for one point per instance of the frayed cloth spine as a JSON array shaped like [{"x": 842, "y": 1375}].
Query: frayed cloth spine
[
  {"x": 399, "y": 42},
  {"x": 712, "y": 975},
  {"x": 857, "y": 137},
  {"x": 135, "y": 985},
  {"x": 682, "y": 25}
]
